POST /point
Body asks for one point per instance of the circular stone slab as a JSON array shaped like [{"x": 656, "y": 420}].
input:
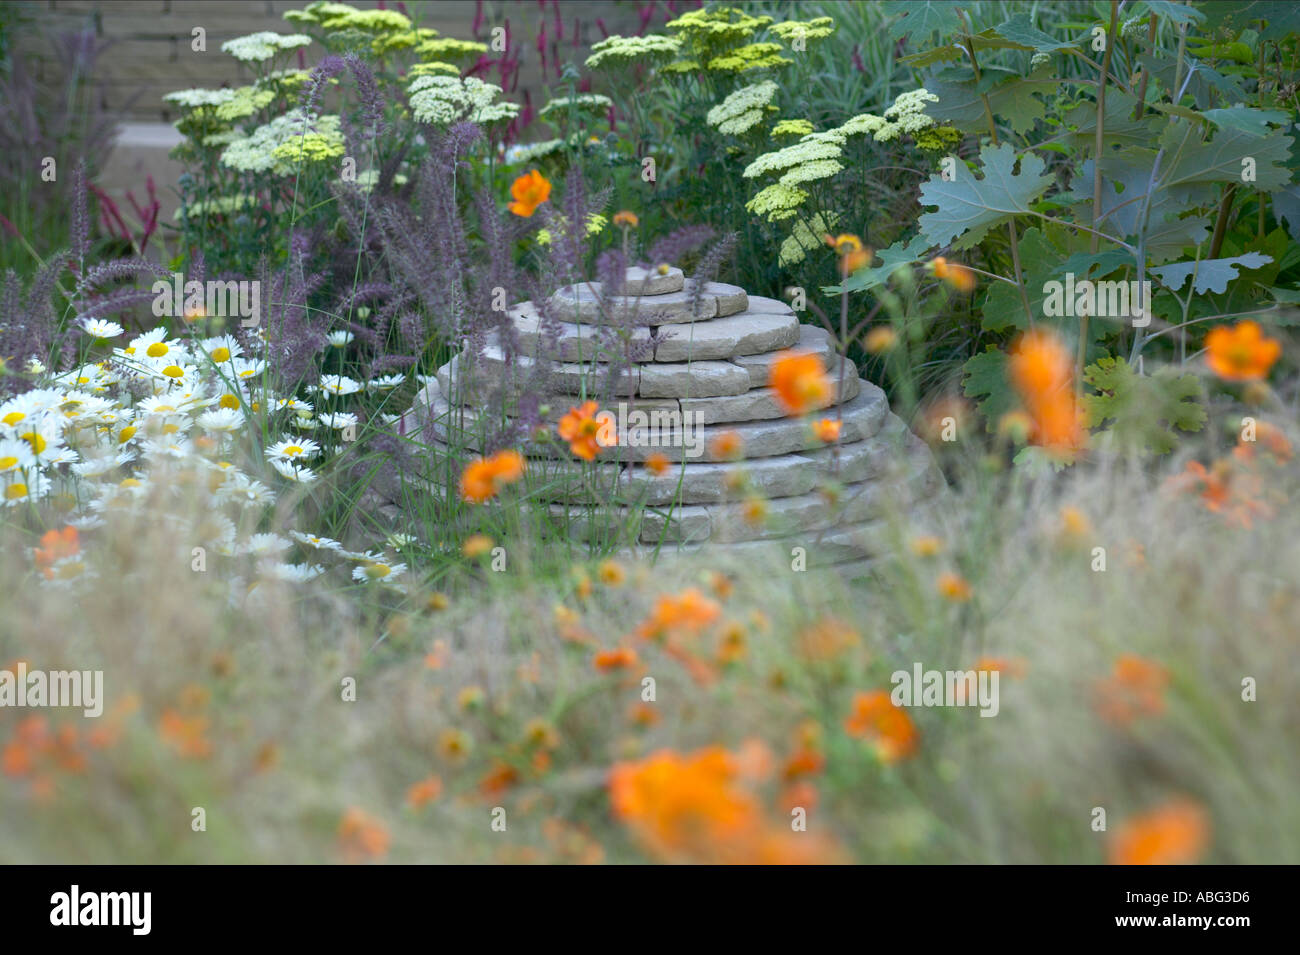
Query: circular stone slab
[
  {"x": 747, "y": 333},
  {"x": 672, "y": 308},
  {"x": 642, "y": 281}
]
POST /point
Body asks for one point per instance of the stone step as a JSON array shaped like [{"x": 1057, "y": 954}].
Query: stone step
[
  {"x": 811, "y": 339},
  {"x": 587, "y": 304}
]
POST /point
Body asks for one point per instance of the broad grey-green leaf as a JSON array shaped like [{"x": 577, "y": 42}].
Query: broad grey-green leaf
[
  {"x": 922, "y": 19},
  {"x": 969, "y": 207},
  {"x": 1020, "y": 29},
  {"x": 1253, "y": 122},
  {"x": 899, "y": 254},
  {"x": 1210, "y": 275}
]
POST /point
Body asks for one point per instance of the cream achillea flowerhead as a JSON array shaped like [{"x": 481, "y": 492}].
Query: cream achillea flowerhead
[
  {"x": 805, "y": 151},
  {"x": 810, "y": 172},
  {"x": 194, "y": 98},
  {"x": 286, "y": 140},
  {"x": 450, "y": 47},
  {"x": 618, "y": 50},
  {"x": 372, "y": 21},
  {"x": 792, "y": 127},
  {"x": 442, "y": 100},
  {"x": 219, "y": 206},
  {"x": 721, "y": 25},
  {"x": 528, "y": 153},
  {"x": 258, "y": 47},
  {"x": 246, "y": 101},
  {"x": 403, "y": 40},
  {"x": 777, "y": 202},
  {"x": 583, "y": 102},
  {"x": 907, "y": 115},
  {"x": 816, "y": 29},
  {"x": 806, "y": 236},
  {"x": 432, "y": 69},
  {"x": 743, "y": 109},
  {"x": 755, "y": 56}
]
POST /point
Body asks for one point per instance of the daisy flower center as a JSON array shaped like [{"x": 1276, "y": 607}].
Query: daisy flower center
[{"x": 156, "y": 350}]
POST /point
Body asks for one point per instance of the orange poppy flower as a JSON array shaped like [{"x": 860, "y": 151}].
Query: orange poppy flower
[
  {"x": 880, "y": 339},
  {"x": 728, "y": 445},
  {"x": 657, "y": 464},
  {"x": 424, "y": 792},
  {"x": 690, "y": 611},
  {"x": 800, "y": 381},
  {"x": 887, "y": 727},
  {"x": 1241, "y": 353},
  {"x": 1041, "y": 371},
  {"x": 1175, "y": 833},
  {"x": 1014, "y": 667},
  {"x": 1134, "y": 689},
  {"x": 626, "y": 218},
  {"x": 953, "y": 587},
  {"x": 186, "y": 734},
  {"x": 621, "y": 658},
  {"x": 958, "y": 276},
  {"x": 585, "y": 432},
  {"x": 56, "y": 545},
  {"x": 498, "y": 779},
  {"x": 849, "y": 248},
  {"x": 362, "y": 836},
  {"x": 827, "y": 430},
  {"x": 483, "y": 479},
  {"x": 528, "y": 192},
  {"x": 476, "y": 545}
]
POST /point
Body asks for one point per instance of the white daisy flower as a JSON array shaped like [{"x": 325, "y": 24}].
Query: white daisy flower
[
  {"x": 339, "y": 420},
  {"x": 398, "y": 541},
  {"x": 222, "y": 349},
  {"x": 312, "y": 540},
  {"x": 15, "y": 455},
  {"x": 224, "y": 420},
  {"x": 298, "y": 473},
  {"x": 35, "y": 366},
  {"x": 244, "y": 490},
  {"x": 18, "y": 487},
  {"x": 386, "y": 383},
  {"x": 100, "y": 328},
  {"x": 294, "y": 573},
  {"x": 291, "y": 448},
  {"x": 375, "y": 571},
  {"x": 245, "y": 368},
  {"x": 339, "y": 385},
  {"x": 339, "y": 339},
  {"x": 263, "y": 545}
]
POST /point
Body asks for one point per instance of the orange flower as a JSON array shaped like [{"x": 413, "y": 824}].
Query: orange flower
[
  {"x": 186, "y": 734},
  {"x": 754, "y": 510},
  {"x": 611, "y": 573},
  {"x": 1014, "y": 667},
  {"x": 621, "y": 658},
  {"x": 483, "y": 479},
  {"x": 643, "y": 714},
  {"x": 728, "y": 445},
  {"x": 888, "y": 727},
  {"x": 498, "y": 779},
  {"x": 880, "y": 339},
  {"x": 800, "y": 381},
  {"x": 827, "y": 430},
  {"x": 826, "y": 639},
  {"x": 690, "y": 610},
  {"x": 56, "y": 545},
  {"x": 1175, "y": 833},
  {"x": 731, "y": 647},
  {"x": 955, "y": 274},
  {"x": 849, "y": 248},
  {"x": 476, "y": 545},
  {"x": 1241, "y": 353},
  {"x": 424, "y": 792},
  {"x": 684, "y": 808},
  {"x": 529, "y": 191},
  {"x": 1269, "y": 435},
  {"x": 362, "y": 836},
  {"x": 626, "y": 218},
  {"x": 454, "y": 745},
  {"x": 803, "y": 762},
  {"x": 585, "y": 432},
  {"x": 1040, "y": 369},
  {"x": 1134, "y": 689},
  {"x": 658, "y": 464},
  {"x": 926, "y": 546},
  {"x": 953, "y": 587}
]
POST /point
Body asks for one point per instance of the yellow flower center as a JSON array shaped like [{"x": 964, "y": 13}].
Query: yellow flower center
[
  {"x": 35, "y": 440},
  {"x": 130, "y": 349},
  {"x": 129, "y": 482},
  {"x": 170, "y": 428},
  {"x": 7, "y": 462},
  {"x": 156, "y": 350},
  {"x": 126, "y": 434},
  {"x": 13, "y": 417},
  {"x": 173, "y": 371},
  {"x": 377, "y": 571},
  {"x": 16, "y": 490},
  {"x": 293, "y": 450},
  {"x": 228, "y": 401},
  {"x": 221, "y": 354}
]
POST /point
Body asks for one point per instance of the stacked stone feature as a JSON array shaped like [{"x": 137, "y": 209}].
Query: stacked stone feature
[{"x": 710, "y": 365}]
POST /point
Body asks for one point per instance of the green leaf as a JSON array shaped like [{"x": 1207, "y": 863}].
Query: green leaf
[
  {"x": 1011, "y": 99},
  {"x": 1286, "y": 207},
  {"x": 969, "y": 207},
  {"x": 923, "y": 19},
  {"x": 896, "y": 256},
  {"x": 985, "y": 380},
  {"x": 1189, "y": 160},
  {"x": 1020, "y": 29},
  {"x": 1082, "y": 263},
  {"x": 1143, "y": 411},
  {"x": 1253, "y": 122},
  {"x": 1211, "y": 275},
  {"x": 1177, "y": 13},
  {"x": 1279, "y": 18}
]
